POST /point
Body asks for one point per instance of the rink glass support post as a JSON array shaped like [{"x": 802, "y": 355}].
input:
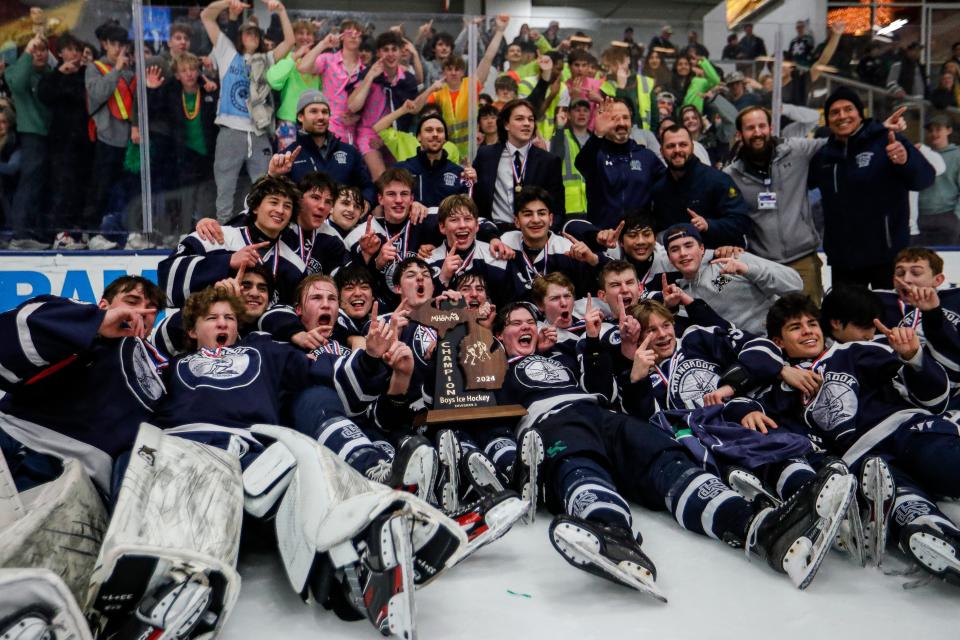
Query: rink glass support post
[
  {"x": 146, "y": 195},
  {"x": 472, "y": 39},
  {"x": 777, "y": 103}
]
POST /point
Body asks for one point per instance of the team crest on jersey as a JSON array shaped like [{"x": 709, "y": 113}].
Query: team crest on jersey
[
  {"x": 538, "y": 372},
  {"x": 863, "y": 159},
  {"x": 140, "y": 372},
  {"x": 340, "y": 157},
  {"x": 693, "y": 379},
  {"x": 449, "y": 179},
  {"x": 423, "y": 337},
  {"x": 836, "y": 402},
  {"x": 635, "y": 165},
  {"x": 228, "y": 368},
  {"x": 314, "y": 266}
]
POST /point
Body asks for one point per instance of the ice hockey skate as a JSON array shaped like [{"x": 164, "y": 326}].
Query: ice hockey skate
[
  {"x": 414, "y": 468},
  {"x": 448, "y": 481},
  {"x": 748, "y": 485},
  {"x": 35, "y": 604},
  {"x": 489, "y": 518},
  {"x": 878, "y": 491},
  {"x": 935, "y": 548},
  {"x": 795, "y": 536},
  {"x": 607, "y": 551},
  {"x": 526, "y": 471},
  {"x": 481, "y": 476}
]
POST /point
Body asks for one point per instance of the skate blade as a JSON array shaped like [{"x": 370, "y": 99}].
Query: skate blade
[
  {"x": 935, "y": 555},
  {"x": 805, "y": 556},
  {"x": 879, "y": 490},
  {"x": 422, "y": 472},
  {"x": 401, "y": 608},
  {"x": 499, "y": 520},
  {"x": 745, "y": 484},
  {"x": 449, "y": 458},
  {"x": 179, "y": 610},
  {"x": 532, "y": 455},
  {"x": 577, "y": 553},
  {"x": 850, "y": 537}
]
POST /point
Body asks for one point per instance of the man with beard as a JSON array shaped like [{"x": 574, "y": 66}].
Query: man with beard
[
  {"x": 317, "y": 149},
  {"x": 436, "y": 175},
  {"x": 772, "y": 176},
  {"x": 693, "y": 192},
  {"x": 619, "y": 172}
]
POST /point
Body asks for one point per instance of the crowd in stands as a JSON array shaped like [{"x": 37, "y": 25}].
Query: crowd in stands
[{"x": 220, "y": 107}]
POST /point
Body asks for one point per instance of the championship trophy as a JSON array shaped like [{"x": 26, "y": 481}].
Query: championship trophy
[{"x": 471, "y": 365}]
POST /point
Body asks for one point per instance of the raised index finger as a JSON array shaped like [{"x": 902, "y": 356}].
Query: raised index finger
[
  {"x": 240, "y": 272},
  {"x": 623, "y": 312},
  {"x": 881, "y": 327},
  {"x": 896, "y": 114},
  {"x": 646, "y": 342},
  {"x": 663, "y": 281},
  {"x": 589, "y": 302},
  {"x": 619, "y": 228}
]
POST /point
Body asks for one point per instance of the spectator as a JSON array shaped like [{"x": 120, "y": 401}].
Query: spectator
[
  {"x": 110, "y": 102},
  {"x": 907, "y": 76},
  {"x": 33, "y": 123},
  {"x": 285, "y": 78},
  {"x": 688, "y": 85},
  {"x": 800, "y": 49},
  {"x": 436, "y": 175},
  {"x": 741, "y": 288},
  {"x": 9, "y": 161},
  {"x": 939, "y": 205},
  {"x": 454, "y": 96},
  {"x": 582, "y": 84},
  {"x": 623, "y": 83},
  {"x": 731, "y": 51},
  {"x": 318, "y": 149},
  {"x": 179, "y": 42},
  {"x": 662, "y": 42},
  {"x": 63, "y": 91},
  {"x": 619, "y": 172},
  {"x": 737, "y": 92},
  {"x": 505, "y": 87},
  {"x": 693, "y": 44},
  {"x": 552, "y": 34},
  {"x": 772, "y": 176},
  {"x": 503, "y": 169},
  {"x": 569, "y": 138},
  {"x": 653, "y": 67},
  {"x": 945, "y": 93},
  {"x": 487, "y": 124},
  {"x": 864, "y": 174},
  {"x": 751, "y": 46},
  {"x": 245, "y": 111},
  {"x": 337, "y": 71},
  {"x": 192, "y": 111},
  {"x": 403, "y": 145},
  {"x": 381, "y": 89},
  {"x": 693, "y": 191},
  {"x": 441, "y": 47},
  {"x": 871, "y": 68},
  {"x": 702, "y": 131}
]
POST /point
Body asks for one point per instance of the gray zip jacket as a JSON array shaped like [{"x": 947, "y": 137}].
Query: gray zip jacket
[
  {"x": 786, "y": 233},
  {"x": 743, "y": 299}
]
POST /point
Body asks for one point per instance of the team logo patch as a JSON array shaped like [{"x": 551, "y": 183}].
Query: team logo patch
[
  {"x": 635, "y": 165},
  {"x": 340, "y": 157},
  {"x": 693, "y": 379},
  {"x": 145, "y": 374},
  {"x": 732, "y": 192},
  {"x": 423, "y": 337},
  {"x": 232, "y": 368},
  {"x": 538, "y": 372},
  {"x": 836, "y": 402},
  {"x": 863, "y": 159},
  {"x": 711, "y": 489},
  {"x": 449, "y": 179},
  {"x": 907, "y": 512}
]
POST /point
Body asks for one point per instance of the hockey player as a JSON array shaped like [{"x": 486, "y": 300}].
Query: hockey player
[
  {"x": 597, "y": 459},
  {"x": 877, "y": 408},
  {"x": 199, "y": 263},
  {"x": 217, "y": 395},
  {"x": 383, "y": 242},
  {"x": 461, "y": 252},
  {"x": 554, "y": 296},
  {"x": 539, "y": 251},
  {"x": 94, "y": 361}
]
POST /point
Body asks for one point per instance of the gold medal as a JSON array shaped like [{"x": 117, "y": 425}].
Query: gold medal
[{"x": 518, "y": 188}]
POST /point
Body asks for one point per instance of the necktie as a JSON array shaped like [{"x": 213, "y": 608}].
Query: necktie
[{"x": 517, "y": 171}]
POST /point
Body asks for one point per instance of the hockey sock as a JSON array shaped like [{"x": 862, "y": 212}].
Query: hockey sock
[
  {"x": 700, "y": 502},
  {"x": 502, "y": 451},
  {"x": 588, "y": 492},
  {"x": 912, "y": 506},
  {"x": 343, "y": 437},
  {"x": 788, "y": 476}
]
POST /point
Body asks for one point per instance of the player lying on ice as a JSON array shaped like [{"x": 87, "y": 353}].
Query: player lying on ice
[
  {"x": 597, "y": 459},
  {"x": 167, "y": 565}
]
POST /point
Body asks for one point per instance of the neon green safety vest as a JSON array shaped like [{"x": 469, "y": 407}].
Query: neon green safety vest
[
  {"x": 547, "y": 125},
  {"x": 574, "y": 186},
  {"x": 643, "y": 101}
]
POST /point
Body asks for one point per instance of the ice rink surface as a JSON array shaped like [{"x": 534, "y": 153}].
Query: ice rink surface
[{"x": 714, "y": 594}]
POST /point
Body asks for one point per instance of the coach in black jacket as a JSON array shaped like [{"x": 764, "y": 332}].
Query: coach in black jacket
[{"x": 512, "y": 163}]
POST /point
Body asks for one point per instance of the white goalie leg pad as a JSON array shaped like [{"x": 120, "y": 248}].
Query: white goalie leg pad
[
  {"x": 35, "y": 603},
  {"x": 328, "y": 502},
  {"x": 61, "y": 529},
  {"x": 267, "y": 478},
  {"x": 11, "y": 506},
  {"x": 177, "y": 520}
]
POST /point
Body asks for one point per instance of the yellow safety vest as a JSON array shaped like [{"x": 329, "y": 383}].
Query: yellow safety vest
[
  {"x": 547, "y": 125},
  {"x": 456, "y": 116},
  {"x": 574, "y": 186},
  {"x": 643, "y": 101}
]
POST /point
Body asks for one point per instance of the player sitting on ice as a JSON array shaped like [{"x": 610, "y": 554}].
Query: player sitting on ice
[
  {"x": 168, "y": 558},
  {"x": 597, "y": 459},
  {"x": 78, "y": 380}
]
